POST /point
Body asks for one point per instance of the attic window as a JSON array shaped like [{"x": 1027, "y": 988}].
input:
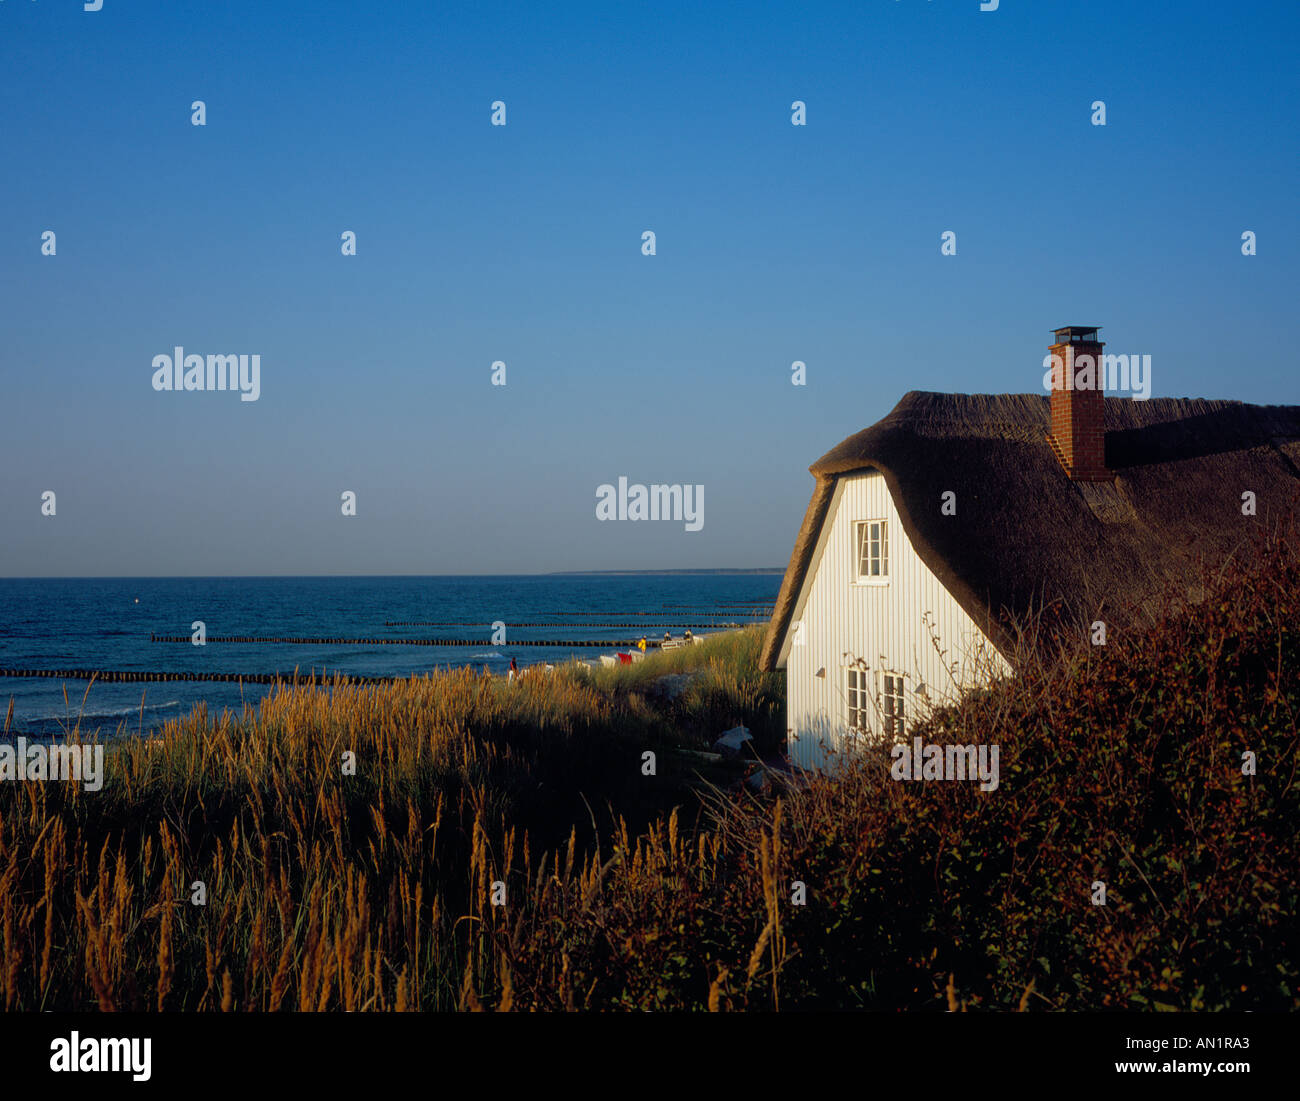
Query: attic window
[{"x": 873, "y": 550}]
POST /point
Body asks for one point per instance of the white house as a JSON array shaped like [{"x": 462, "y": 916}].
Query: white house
[
  {"x": 873, "y": 632},
  {"x": 931, "y": 532}
]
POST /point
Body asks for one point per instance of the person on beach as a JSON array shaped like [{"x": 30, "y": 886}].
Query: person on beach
[
  {"x": 668, "y": 636},
  {"x": 514, "y": 669},
  {"x": 641, "y": 645},
  {"x": 689, "y": 636}
]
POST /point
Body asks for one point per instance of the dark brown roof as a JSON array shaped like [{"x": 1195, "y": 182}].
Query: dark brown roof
[{"x": 1025, "y": 533}]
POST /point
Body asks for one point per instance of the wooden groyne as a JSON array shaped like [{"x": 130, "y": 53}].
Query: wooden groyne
[
  {"x": 136, "y": 676},
  {"x": 313, "y": 640},
  {"x": 727, "y": 605},
  {"x": 133, "y": 676},
  {"x": 588, "y": 626},
  {"x": 574, "y": 613}
]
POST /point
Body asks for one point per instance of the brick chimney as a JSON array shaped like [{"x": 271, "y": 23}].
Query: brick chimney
[{"x": 1078, "y": 434}]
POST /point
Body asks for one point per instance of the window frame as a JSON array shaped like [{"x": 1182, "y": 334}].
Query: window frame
[
  {"x": 861, "y": 533},
  {"x": 893, "y": 718},
  {"x": 861, "y": 690}
]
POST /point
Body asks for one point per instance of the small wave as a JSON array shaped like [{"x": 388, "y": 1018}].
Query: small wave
[
  {"x": 74, "y": 713},
  {"x": 489, "y": 654}
]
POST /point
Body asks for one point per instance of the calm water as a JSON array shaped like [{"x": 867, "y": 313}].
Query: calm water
[{"x": 98, "y": 624}]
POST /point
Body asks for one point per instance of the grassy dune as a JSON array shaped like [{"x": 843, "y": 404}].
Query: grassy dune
[{"x": 329, "y": 889}]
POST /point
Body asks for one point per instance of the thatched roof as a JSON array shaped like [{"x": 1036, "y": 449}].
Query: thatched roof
[{"x": 1024, "y": 533}]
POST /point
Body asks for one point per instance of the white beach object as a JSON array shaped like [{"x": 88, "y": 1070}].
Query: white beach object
[{"x": 730, "y": 742}]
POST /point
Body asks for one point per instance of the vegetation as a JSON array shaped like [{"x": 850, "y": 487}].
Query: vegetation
[{"x": 1121, "y": 764}]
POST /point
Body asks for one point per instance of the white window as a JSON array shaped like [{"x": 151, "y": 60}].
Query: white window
[
  {"x": 873, "y": 550},
  {"x": 859, "y": 697},
  {"x": 891, "y": 704}
]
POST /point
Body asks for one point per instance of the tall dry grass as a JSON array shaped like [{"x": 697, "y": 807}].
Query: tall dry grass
[{"x": 323, "y": 889}]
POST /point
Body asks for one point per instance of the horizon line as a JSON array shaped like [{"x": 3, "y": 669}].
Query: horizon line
[{"x": 722, "y": 570}]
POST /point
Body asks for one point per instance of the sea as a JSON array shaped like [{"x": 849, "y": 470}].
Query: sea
[{"x": 109, "y": 624}]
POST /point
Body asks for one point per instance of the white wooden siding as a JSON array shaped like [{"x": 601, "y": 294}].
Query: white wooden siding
[{"x": 837, "y": 620}]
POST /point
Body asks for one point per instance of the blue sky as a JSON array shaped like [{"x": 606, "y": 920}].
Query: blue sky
[{"x": 522, "y": 243}]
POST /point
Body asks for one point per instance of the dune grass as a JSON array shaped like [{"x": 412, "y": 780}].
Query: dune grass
[
  {"x": 725, "y": 688},
  {"x": 342, "y": 834}
]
